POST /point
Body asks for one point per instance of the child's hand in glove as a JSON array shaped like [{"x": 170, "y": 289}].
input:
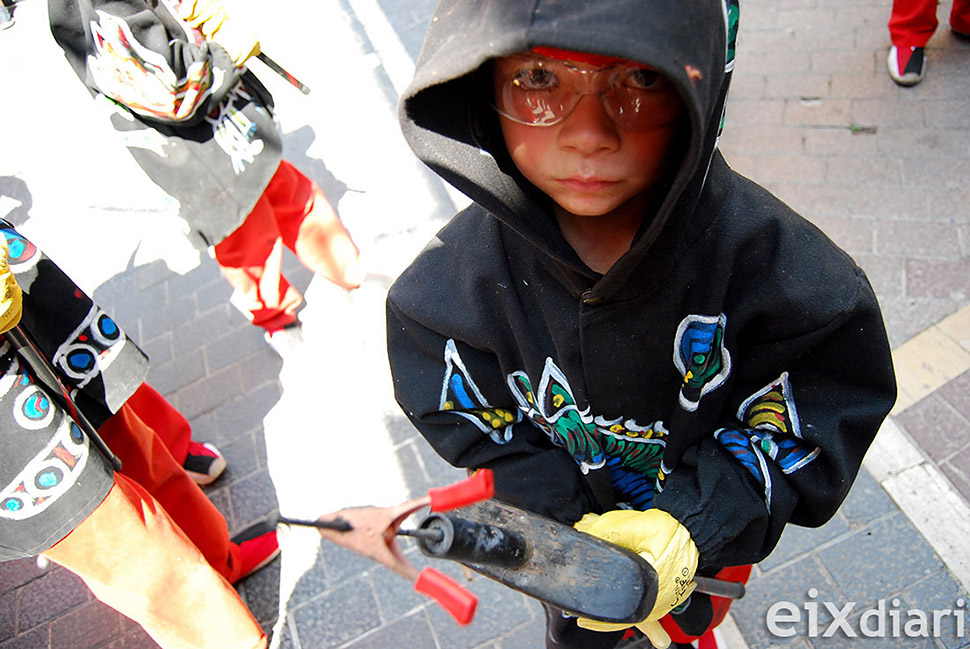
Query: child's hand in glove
[
  {"x": 11, "y": 298},
  {"x": 212, "y": 19},
  {"x": 666, "y": 545}
]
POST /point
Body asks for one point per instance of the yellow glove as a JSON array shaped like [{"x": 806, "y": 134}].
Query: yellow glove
[
  {"x": 11, "y": 298},
  {"x": 212, "y": 19},
  {"x": 666, "y": 545}
]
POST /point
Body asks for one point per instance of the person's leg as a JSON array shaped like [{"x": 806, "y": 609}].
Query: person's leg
[
  {"x": 912, "y": 22},
  {"x": 960, "y": 17},
  {"x": 135, "y": 559},
  {"x": 203, "y": 462},
  {"x": 250, "y": 259},
  {"x": 146, "y": 460},
  {"x": 311, "y": 228},
  {"x": 911, "y": 26}
]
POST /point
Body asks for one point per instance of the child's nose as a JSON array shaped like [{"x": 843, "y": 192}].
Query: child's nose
[{"x": 589, "y": 128}]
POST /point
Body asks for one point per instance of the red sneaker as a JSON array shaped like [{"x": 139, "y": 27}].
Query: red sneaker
[
  {"x": 258, "y": 545},
  {"x": 204, "y": 463},
  {"x": 907, "y": 65}
]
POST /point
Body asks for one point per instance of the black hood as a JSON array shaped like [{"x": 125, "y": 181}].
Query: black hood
[{"x": 448, "y": 121}]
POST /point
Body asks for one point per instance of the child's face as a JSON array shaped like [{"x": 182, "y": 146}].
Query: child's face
[{"x": 590, "y": 137}]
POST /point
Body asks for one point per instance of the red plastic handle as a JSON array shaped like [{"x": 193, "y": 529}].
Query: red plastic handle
[
  {"x": 450, "y": 594},
  {"x": 479, "y": 486}
]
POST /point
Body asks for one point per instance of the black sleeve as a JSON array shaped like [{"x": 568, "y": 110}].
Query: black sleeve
[
  {"x": 478, "y": 425},
  {"x": 793, "y": 448}
]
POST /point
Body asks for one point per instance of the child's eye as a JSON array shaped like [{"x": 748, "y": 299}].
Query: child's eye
[
  {"x": 646, "y": 79},
  {"x": 535, "y": 79}
]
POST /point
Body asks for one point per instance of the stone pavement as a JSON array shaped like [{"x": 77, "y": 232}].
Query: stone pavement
[{"x": 813, "y": 116}]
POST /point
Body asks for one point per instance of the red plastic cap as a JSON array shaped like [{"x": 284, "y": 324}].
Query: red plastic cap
[
  {"x": 479, "y": 486},
  {"x": 452, "y": 596}
]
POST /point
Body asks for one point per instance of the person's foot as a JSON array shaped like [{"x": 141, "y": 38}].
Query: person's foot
[
  {"x": 258, "y": 546},
  {"x": 204, "y": 463},
  {"x": 907, "y": 65},
  {"x": 285, "y": 340}
]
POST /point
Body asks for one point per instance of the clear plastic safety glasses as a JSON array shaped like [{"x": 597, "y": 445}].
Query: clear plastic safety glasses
[{"x": 538, "y": 91}]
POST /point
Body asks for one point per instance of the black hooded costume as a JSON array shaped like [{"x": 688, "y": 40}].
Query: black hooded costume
[{"x": 731, "y": 368}]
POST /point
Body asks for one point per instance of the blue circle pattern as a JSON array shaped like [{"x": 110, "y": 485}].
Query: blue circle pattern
[{"x": 36, "y": 407}]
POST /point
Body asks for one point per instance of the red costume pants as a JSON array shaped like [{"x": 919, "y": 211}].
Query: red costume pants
[
  {"x": 156, "y": 549},
  {"x": 913, "y": 22},
  {"x": 292, "y": 212}
]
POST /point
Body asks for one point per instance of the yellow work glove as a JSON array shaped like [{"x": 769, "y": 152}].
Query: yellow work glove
[
  {"x": 666, "y": 545},
  {"x": 212, "y": 19},
  {"x": 11, "y": 298}
]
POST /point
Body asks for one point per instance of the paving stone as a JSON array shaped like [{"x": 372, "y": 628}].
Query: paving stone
[
  {"x": 325, "y": 623},
  {"x": 233, "y": 347},
  {"x": 241, "y": 413},
  {"x": 18, "y": 572},
  {"x": 791, "y": 584},
  {"x": 957, "y": 393},
  {"x": 189, "y": 334},
  {"x": 8, "y": 613},
  {"x": 957, "y": 469},
  {"x": 908, "y": 316},
  {"x": 914, "y": 238},
  {"x": 819, "y": 112},
  {"x": 884, "y": 273},
  {"x": 44, "y": 599},
  {"x": 879, "y": 560},
  {"x": 86, "y": 627},
  {"x": 939, "y": 278},
  {"x": 342, "y": 564},
  {"x": 241, "y": 458},
  {"x": 499, "y": 608},
  {"x": 167, "y": 316},
  {"x": 253, "y": 498},
  {"x": 797, "y": 541},
  {"x": 312, "y": 583},
  {"x": 866, "y": 502},
  {"x": 526, "y": 636},
  {"x": 262, "y": 594},
  {"x": 939, "y": 430},
  {"x": 412, "y": 632},
  {"x": 34, "y": 639},
  {"x": 941, "y": 593},
  {"x": 168, "y": 376},
  {"x": 208, "y": 393}
]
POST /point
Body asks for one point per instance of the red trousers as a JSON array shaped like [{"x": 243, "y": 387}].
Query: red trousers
[
  {"x": 157, "y": 549},
  {"x": 913, "y": 22},
  {"x": 292, "y": 212}
]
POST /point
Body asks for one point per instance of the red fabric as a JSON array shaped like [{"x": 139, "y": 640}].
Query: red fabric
[
  {"x": 134, "y": 558},
  {"x": 596, "y": 60},
  {"x": 913, "y": 22},
  {"x": 293, "y": 211},
  {"x": 146, "y": 460},
  {"x": 720, "y": 604}
]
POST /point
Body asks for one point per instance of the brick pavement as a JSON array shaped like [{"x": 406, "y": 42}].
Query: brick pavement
[{"x": 813, "y": 116}]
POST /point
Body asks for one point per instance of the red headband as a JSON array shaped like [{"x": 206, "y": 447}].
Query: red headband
[{"x": 596, "y": 60}]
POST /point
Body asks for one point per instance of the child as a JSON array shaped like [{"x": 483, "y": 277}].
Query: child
[
  {"x": 619, "y": 321},
  {"x": 202, "y": 127}
]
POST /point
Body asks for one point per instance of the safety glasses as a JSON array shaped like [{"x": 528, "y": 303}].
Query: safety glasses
[{"x": 539, "y": 91}]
